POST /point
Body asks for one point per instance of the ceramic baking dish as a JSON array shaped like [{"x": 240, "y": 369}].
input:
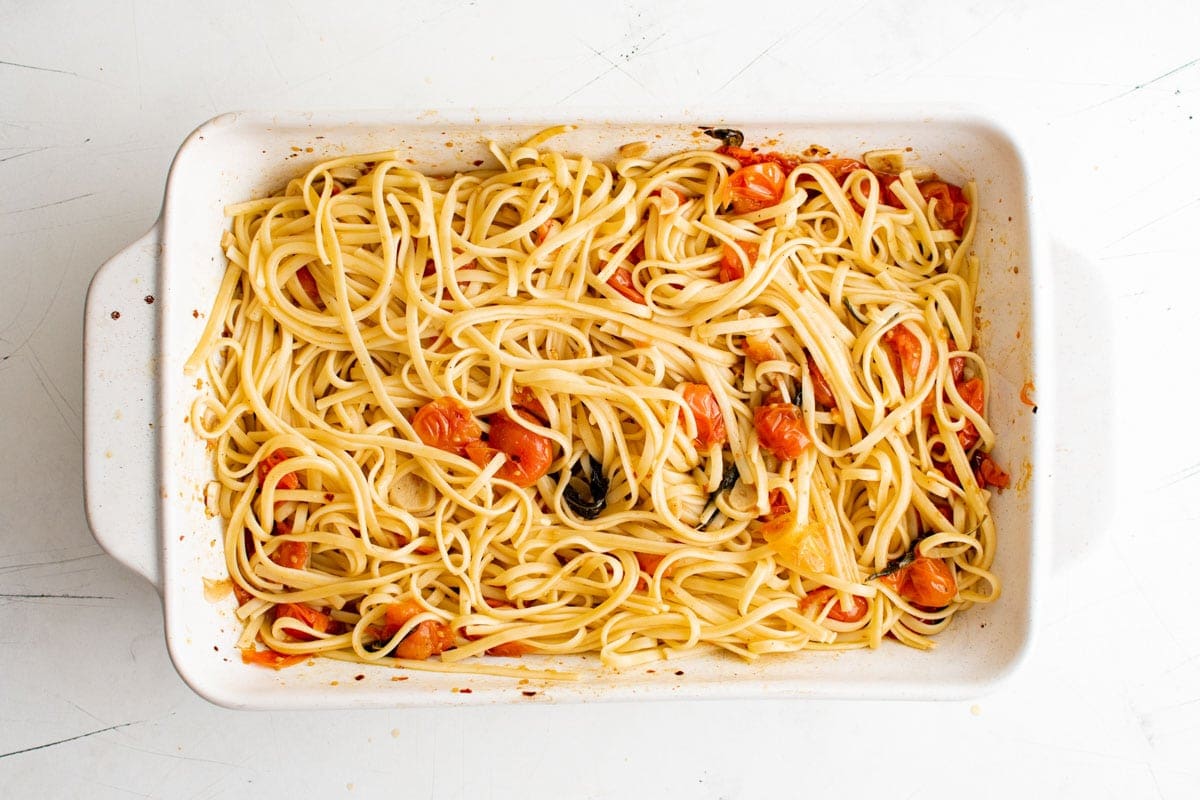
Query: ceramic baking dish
[{"x": 145, "y": 471}]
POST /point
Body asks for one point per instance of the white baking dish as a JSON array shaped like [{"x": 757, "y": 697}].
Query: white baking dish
[{"x": 145, "y": 471}]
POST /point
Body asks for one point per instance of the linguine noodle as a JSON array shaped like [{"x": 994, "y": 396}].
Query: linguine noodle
[{"x": 550, "y": 315}]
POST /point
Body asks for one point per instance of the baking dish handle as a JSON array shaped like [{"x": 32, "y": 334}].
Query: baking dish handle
[{"x": 120, "y": 353}]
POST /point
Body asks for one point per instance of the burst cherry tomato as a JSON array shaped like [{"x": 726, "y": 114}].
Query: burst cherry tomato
[
  {"x": 710, "y": 425},
  {"x": 952, "y": 207},
  {"x": 839, "y": 168},
  {"x": 821, "y": 391},
  {"x": 906, "y": 347},
  {"x": 988, "y": 472},
  {"x": 927, "y": 582},
  {"x": 747, "y": 157},
  {"x": 756, "y": 187},
  {"x": 622, "y": 281},
  {"x": 290, "y": 554},
  {"x": 781, "y": 431},
  {"x": 731, "y": 262},
  {"x": 427, "y": 639},
  {"x": 286, "y": 481},
  {"x": 819, "y": 597},
  {"x": 314, "y": 619},
  {"x": 525, "y": 399},
  {"x": 309, "y": 284},
  {"x": 777, "y": 502},
  {"x": 972, "y": 392},
  {"x": 447, "y": 425},
  {"x": 528, "y": 454}
]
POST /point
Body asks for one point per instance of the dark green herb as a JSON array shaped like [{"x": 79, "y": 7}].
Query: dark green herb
[
  {"x": 897, "y": 564},
  {"x": 597, "y": 489},
  {"x": 854, "y": 311},
  {"x": 728, "y": 136},
  {"x": 728, "y": 481}
]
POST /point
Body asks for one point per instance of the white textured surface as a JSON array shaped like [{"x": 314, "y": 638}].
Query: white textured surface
[{"x": 94, "y": 99}]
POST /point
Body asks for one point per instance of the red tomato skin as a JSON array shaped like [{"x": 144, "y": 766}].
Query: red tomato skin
[
  {"x": 293, "y": 555},
  {"x": 710, "y": 424},
  {"x": 756, "y": 187},
  {"x": 731, "y": 268},
  {"x": 971, "y": 391},
  {"x": 781, "y": 431},
  {"x": 286, "y": 481},
  {"x": 819, "y": 597},
  {"x": 952, "y": 207},
  {"x": 309, "y": 284},
  {"x": 906, "y": 347},
  {"x": 528, "y": 454},
  {"x": 314, "y": 619},
  {"x": 447, "y": 425},
  {"x": 622, "y": 281},
  {"x": 821, "y": 391}
]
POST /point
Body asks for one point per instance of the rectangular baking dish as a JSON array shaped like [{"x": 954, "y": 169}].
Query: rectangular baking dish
[{"x": 145, "y": 471}]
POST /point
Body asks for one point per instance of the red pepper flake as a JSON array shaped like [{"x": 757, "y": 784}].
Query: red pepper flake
[
  {"x": 478, "y": 162},
  {"x": 328, "y": 497},
  {"x": 678, "y": 672},
  {"x": 115, "y": 315},
  {"x": 149, "y": 299},
  {"x": 464, "y": 691},
  {"x": 195, "y": 313},
  {"x": 529, "y": 694},
  {"x": 359, "y": 677}
]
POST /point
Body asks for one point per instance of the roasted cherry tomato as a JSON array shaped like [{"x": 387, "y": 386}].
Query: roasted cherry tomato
[
  {"x": 509, "y": 650},
  {"x": 525, "y": 399},
  {"x": 756, "y": 187},
  {"x": 731, "y": 262},
  {"x": 622, "y": 281},
  {"x": 972, "y": 392},
  {"x": 447, "y": 425},
  {"x": 951, "y": 208},
  {"x": 427, "y": 639},
  {"x": 710, "y": 425},
  {"x": 818, "y": 598},
  {"x": 314, "y": 619},
  {"x": 906, "y": 347},
  {"x": 988, "y": 472},
  {"x": 927, "y": 582},
  {"x": 821, "y": 391},
  {"x": 778, "y": 504},
  {"x": 293, "y": 555},
  {"x": 840, "y": 168},
  {"x": 781, "y": 431},
  {"x": 288, "y": 480},
  {"x": 309, "y": 284},
  {"x": 747, "y": 157},
  {"x": 528, "y": 454}
]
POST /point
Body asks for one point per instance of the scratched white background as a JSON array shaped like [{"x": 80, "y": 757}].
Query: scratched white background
[{"x": 94, "y": 99}]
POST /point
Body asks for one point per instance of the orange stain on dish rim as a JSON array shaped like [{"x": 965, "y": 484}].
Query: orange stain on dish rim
[{"x": 1027, "y": 390}]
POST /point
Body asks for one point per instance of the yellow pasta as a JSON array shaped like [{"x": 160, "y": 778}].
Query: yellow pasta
[{"x": 638, "y": 410}]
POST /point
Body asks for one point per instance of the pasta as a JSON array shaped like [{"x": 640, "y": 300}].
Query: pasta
[{"x": 726, "y": 399}]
